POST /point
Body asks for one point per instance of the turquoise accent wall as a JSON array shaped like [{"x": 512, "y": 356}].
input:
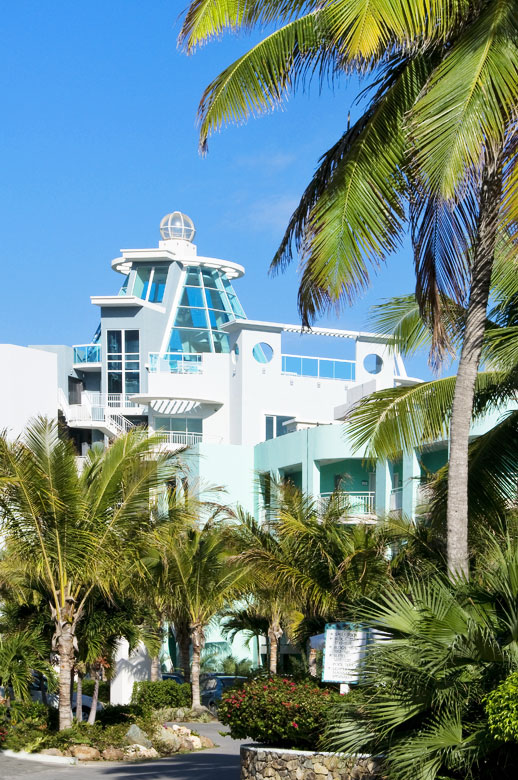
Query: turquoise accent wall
[
  {"x": 433, "y": 461},
  {"x": 354, "y": 474}
]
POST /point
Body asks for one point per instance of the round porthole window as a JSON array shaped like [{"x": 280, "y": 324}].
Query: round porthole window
[
  {"x": 262, "y": 352},
  {"x": 373, "y": 364}
]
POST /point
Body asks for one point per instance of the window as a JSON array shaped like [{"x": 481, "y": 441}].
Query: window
[
  {"x": 123, "y": 361},
  {"x": 204, "y": 308},
  {"x": 149, "y": 284},
  {"x": 275, "y": 425},
  {"x": 179, "y": 424}
]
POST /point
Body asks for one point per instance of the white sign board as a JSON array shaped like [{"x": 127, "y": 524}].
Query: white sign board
[{"x": 344, "y": 652}]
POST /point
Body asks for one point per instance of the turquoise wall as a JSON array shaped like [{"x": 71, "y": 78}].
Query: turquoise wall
[
  {"x": 353, "y": 471},
  {"x": 433, "y": 461}
]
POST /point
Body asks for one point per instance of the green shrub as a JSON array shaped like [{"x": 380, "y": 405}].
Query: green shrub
[
  {"x": 113, "y": 714},
  {"x": 24, "y": 725},
  {"x": 501, "y": 706},
  {"x": 162, "y": 693},
  {"x": 277, "y": 711},
  {"x": 88, "y": 689}
]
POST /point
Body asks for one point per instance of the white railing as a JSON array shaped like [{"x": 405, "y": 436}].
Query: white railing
[
  {"x": 358, "y": 503},
  {"x": 320, "y": 368},
  {"x": 396, "y": 499},
  {"x": 180, "y": 438},
  {"x": 91, "y": 413},
  {"x": 112, "y": 400},
  {"x": 175, "y": 363}
]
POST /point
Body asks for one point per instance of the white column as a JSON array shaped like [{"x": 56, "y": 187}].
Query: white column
[
  {"x": 383, "y": 488},
  {"x": 411, "y": 474},
  {"x": 128, "y": 670}
]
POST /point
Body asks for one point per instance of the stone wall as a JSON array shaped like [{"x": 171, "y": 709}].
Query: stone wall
[{"x": 263, "y": 763}]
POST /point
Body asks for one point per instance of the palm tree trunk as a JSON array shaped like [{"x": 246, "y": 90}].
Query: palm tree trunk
[
  {"x": 462, "y": 408},
  {"x": 79, "y": 698},
  {"x": 65, "y": 647},
  {"x": 155, "y": 668},
  {"x": 197, "y": 640},
  {"x": 184, "y": 645},
  {"x": 274, "y": 634},
  {"x": 95, "y": 698}
]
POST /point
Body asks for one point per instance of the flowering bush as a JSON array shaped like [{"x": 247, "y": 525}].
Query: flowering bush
[{"x": 277, "y": 711}]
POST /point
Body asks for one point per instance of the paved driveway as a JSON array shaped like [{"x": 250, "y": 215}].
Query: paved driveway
[{"x": 221, "y": 763}]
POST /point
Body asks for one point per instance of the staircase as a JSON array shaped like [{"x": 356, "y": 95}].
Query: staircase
[{"x": 87, "y": 415}]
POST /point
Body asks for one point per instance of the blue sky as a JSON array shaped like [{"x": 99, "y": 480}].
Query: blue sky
[{"x": 98, "y": 142}]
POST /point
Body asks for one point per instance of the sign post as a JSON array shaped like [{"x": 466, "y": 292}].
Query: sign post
[{"x": 344, "y": 652}]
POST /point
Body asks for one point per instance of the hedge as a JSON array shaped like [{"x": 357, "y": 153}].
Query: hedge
[{"x": 161, "y": 693}]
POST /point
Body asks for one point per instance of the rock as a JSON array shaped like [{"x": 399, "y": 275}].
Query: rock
[
  {"x": 113, "y": 754},
  {"x": 188, "y": 744},
  {"x": 85, "y": 753},
  {"x": 138, "y": 751},
  {"x": 320, "y": 769},
  {"x": 206, "y": 742},
  {"x": 51, "y": 752},
  {"x": 135, "y": 736},
  {"x": 180, "y": 713},
  {"x": 170, "y": 738}
]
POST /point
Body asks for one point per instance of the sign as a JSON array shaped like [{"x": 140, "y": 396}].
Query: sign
[{"x": 344, "y": 652}]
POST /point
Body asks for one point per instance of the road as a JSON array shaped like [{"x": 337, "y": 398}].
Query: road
[{"x": 220, "y": 763}]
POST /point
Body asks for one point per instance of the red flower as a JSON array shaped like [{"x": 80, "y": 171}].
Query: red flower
[{"x": 295, "y": 726}]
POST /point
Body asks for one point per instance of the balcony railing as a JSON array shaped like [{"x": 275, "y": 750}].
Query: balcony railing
[
  {"x": 87, "y": 353},
  {"x": 175, "y": 363},
  {"x": 112, "y": 400},
  {"x": 358, "y": 503},
  {"x": 180, "y": 438},
  {"x": 320, "y": 368}
]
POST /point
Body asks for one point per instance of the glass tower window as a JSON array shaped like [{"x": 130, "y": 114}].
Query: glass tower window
[
  {"x": 207, "y": 302},
  {"x": 123, "y": 361},
  {"x": 149, "y": 284}
]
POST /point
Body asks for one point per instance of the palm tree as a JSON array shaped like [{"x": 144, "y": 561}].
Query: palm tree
[
  {"x": 311, "y": 562},
  {"x": 438, "y": 135},
  {"x": 407, "y": 418},
  {"x": 64, "y": 528},
  {"x": 22, "y": 655},
  {"x": 441, "y": 649},
  {"x": 200, "y": 579}
]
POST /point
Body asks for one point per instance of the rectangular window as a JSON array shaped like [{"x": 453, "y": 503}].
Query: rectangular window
[
  {"x": 193, "y": 296},
  {"x": 156, "y": 292},
  {"x": 123, "y": 361},
  {"x": 190, "y": 318},
  {"x": 183, "y": 340},
  {"x": 275, "y": 425},
  {"x": 141, "y": 282}
]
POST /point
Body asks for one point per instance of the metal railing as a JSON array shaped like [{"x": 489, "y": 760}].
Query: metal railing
[
  {"x": 87, "y": 353},
  {"x": 112, "y": 400},
  {"x": 358, "y": 503},
  {"x": 180, "y": 438},
  {"x": 175, "y": 363},
  {"x": 319, "y": 368}
]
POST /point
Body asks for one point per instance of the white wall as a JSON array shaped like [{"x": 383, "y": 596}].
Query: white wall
[
  {"x": 128, "y": 670},
  {"x": 29, "y": 386}
]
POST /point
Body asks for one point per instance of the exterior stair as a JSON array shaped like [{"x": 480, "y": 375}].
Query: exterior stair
[{"x": 100, "y": 418}]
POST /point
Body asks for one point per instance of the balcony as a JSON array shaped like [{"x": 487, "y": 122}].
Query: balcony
[
  {"x": 112, "y": 401},
  {"x": 180, "y": 438},
  {"x": 319, "y": 368},
  {"x": 87, "y": 356},
  {"x": 175, "y": 363},
  {"x": 358, "y": 504}
]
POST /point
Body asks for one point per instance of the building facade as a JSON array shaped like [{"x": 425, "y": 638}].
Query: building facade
[{"x": 175, "y": 351}]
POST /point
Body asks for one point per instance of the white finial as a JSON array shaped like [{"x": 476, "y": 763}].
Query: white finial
[{"x": 177, "y": 226}]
